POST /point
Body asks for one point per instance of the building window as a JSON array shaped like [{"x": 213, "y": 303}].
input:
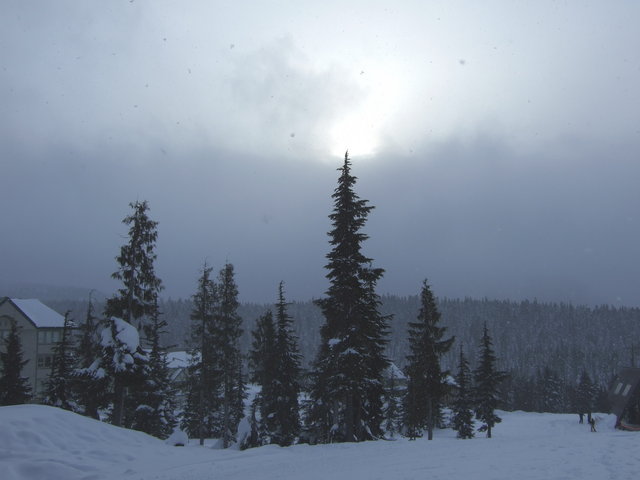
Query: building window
[
  {"x": 5, "y": 322},
  {"x": 5, "y": 326},
  {"x": 49, "y": 336},
  {"x": 45, "y": 360}
]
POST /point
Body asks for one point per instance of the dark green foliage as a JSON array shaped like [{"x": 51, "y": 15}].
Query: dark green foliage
[
  {"x": 463, "y": 403},
  {"x": 347, "y": 379},
  {"x": 263, "y": 359},
  {"x": 89, "y": 387},
  {"x": 138, "y": 297},
  {"x": 586, "y": 394},
  {"x": 551, "y": 391},
  {"x": 203, "y": 381},
  {"x": 426, "y": 379},
  {"x": 487, "y": 381},
  {"x": 59, "y": 388},
  {"x": 286, "y": 387},
  {"x": 392, "y": 406},
  {"x": 228, "y": 328},
  {"x": 14, "y": 388}
]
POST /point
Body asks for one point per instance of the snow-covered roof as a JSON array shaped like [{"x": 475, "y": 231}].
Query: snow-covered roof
[
  {"x": 393, "y": 370},
  {"x": 179, "y": 359},
  {"x": 41, "y": 315}
]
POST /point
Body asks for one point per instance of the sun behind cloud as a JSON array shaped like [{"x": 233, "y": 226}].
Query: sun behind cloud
[{"x": 362, "y": 128}]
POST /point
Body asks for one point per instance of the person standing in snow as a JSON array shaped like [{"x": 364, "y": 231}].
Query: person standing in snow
[
  {"x": 581, "y": 415},
  {"x": 592, "y": 422}
]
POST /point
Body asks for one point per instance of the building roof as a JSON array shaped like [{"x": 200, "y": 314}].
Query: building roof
[
  {"x": 623, "y": 389},
  {"x": 178, "y": 359},
  {"x": 36, "y": 311}
]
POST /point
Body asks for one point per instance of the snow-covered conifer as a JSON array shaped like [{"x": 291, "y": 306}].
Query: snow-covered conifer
[{"x": 90, "y": 384}]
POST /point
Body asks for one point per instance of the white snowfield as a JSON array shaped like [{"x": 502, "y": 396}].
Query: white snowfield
[{"x": 38, "y": 442}]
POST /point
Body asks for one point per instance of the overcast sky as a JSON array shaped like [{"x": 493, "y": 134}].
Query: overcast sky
[{"x": 499, "y": 142}]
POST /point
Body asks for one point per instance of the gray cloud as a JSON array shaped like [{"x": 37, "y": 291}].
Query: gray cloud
[{"x": 511, "y": 174}]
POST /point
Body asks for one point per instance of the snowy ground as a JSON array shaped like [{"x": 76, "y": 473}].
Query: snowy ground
[{"x": 38, "y": 442}]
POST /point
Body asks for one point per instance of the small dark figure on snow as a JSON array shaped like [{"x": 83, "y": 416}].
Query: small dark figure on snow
[
  {"x": 581, "y": 415},
  {"x": 592, "y": 422},
  {"x": 589, "y": 418}
]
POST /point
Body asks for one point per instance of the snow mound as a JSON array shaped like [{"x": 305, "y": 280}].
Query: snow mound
[{"x": 38, "y": 442}]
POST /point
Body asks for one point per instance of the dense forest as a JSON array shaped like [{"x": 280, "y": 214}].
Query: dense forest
[{"x": 528, "y": 335}]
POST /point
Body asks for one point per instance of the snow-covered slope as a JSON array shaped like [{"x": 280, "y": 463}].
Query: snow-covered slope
[{"x": 38, "y": 442}]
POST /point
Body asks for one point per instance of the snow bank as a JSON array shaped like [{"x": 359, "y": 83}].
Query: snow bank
[{"x": 38, "y": 442}]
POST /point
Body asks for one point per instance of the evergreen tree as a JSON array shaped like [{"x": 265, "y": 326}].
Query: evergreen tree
[
  {"x": 392, "y": 411},
  {"x": 263, "y": 358},
  {"x": 550, "y": 388},
  {"x": 463, "y": 403},
  {"x": 426, "y": 383},
  {"x": 228, "y": 328},
  {"x": 487, "y": 380},
  {"x": 585, "y": 394},
  {"x": 59, "y": 387},
  {"x": 14, "y": 388},
  {"x": 155, "y": 402},
  {"x": 286, "y": 386},
  {"x": 138, "y": 298},
  {"x": 203, "y": 381},
  {"x": 89, "y": 384},
  {"x": 347, "y": 379}
]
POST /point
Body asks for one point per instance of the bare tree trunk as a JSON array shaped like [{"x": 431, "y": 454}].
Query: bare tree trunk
[
  {"x": 430, "y": 421},
  {"x": 118, "y": 402},
  {"x": 348, "y": 419}
]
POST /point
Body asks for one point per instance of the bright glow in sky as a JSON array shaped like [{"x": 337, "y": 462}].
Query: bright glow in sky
[{"x": 206, "y": 107}]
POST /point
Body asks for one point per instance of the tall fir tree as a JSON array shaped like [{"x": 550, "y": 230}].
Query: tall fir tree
[
  {"x": 89, "y": 385},
  {"x": 286, "y": 387},
  {"x": 463, "y": 402},
  {"x": 228, "y": 329},
  {"x": 348, "y": 371},
  {"x": 203, "y": 383},
  {"x": 14, "y": 388},
  {"x": 59, "y": 388},
  {"x": 487, "y": 380},
  {"x": 427, "y": 380},
  {"x": 137, "y": 300}
]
